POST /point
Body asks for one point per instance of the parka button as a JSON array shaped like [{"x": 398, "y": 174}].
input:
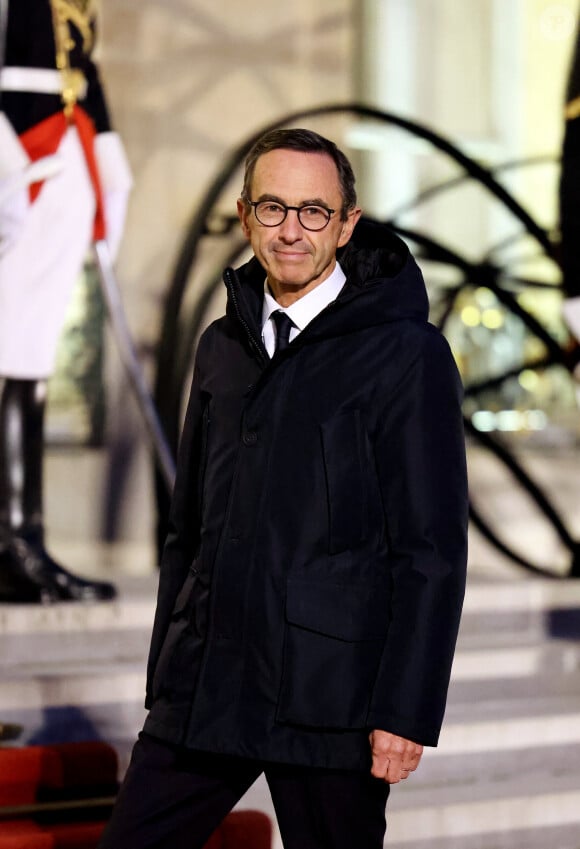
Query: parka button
[{"x": 250, "y": 437}]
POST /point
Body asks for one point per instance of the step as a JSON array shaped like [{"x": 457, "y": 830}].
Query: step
[
  {"x": 77, "y": 671},
  {"x": 514, "y": 676},
  {"x": 493, "y": 612},
  {"x": 500, "y": 822},
  {"x": 62, "y": 633},
  {"x": 503, "y": 777},
  {"x": 530, "y": 607},
  {"x": 537, "y": 837},
  {"x": 517, "y": 799},
  {"x": 63, "y": 654},
  {"x": 491, "y": 785}
]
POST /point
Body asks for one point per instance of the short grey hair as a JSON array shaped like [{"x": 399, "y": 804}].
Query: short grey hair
[{"x": 306, "y": 141}]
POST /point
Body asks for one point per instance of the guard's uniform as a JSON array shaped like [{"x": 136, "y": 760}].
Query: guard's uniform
[
  {"x": 64, "y": 180},
  {"x": 52, "y": 106}
]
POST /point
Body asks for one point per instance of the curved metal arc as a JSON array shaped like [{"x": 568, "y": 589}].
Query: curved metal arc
[
  {"x": 472, "y": 390},
  {"x": 453, "y": 182},
  {"x": 486, "y": 530},
  {"x": 484, "y": 274},
  {"x": 437, "y": 252},
  {"x": 539, "y": 498},
  {"x": 197, "y": 223},
  {"x": 529, "y": 320},
  {"x": 533, "y": 489}
]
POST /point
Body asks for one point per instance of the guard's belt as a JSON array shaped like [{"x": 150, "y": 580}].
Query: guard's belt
[{"x": 41, "y": 80}]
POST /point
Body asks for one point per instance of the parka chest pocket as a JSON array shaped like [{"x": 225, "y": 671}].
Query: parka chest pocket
[
  {"x": 334, "y": 637},
  {"x": 344, "y": 452}
]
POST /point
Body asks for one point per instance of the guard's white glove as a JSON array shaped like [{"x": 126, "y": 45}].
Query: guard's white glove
[
  {"x": 116, "y": 181},
  {"x": 14, "y": 202},
  {"x": 17, "y": 173},
  {"x": 13, "y": 189},
  {"x": 571, "y": 315}
]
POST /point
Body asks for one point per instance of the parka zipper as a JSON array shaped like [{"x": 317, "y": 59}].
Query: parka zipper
[{"x": 230, "y": 281}]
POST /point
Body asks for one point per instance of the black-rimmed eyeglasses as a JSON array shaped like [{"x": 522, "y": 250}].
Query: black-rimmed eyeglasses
[{"x": 272, "y": 213}]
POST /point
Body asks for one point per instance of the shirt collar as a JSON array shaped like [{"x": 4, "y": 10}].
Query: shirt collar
[{"x": 308, "y": 306}]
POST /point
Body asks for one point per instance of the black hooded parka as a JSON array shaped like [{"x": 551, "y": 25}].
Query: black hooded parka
[{"x": 313, "y": 575}]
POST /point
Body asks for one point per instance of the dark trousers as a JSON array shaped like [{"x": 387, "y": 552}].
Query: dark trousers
[{"x": 173, "y": 798}]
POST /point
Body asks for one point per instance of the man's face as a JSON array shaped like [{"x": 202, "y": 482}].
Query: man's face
[{"x": 296, "y": 259}]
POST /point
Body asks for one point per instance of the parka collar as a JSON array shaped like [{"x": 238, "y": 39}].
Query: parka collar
[{"x": 383, "y": 284}]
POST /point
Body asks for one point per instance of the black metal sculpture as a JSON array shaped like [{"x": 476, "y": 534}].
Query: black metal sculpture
[{"x": 182, "y": 323}]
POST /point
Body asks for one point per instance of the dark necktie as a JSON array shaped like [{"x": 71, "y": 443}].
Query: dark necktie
[{"x": 283, "y": 328}]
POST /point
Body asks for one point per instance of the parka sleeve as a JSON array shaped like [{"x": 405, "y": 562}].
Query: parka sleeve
[
  {"x": 420, "y": 455},
  {"x": 183, "y": 524}
]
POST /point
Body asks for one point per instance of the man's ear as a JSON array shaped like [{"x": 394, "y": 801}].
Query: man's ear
[
  {"x": 348, "y": 226},
  {"x": 243, "y": 214}
]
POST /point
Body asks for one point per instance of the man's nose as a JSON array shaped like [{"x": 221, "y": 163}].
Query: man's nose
[{"x": 290, "y": 228}]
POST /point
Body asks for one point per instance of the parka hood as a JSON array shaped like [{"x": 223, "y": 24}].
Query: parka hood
[
  {"x": 378, "y": 261},
  {"x": 383, "y": 284}
]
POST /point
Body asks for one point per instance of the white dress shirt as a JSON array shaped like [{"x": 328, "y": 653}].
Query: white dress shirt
[{"x": 301, "y": 311}]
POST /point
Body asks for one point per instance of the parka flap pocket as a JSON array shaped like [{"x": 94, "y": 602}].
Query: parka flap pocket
[
  {"x": 344, "y": 451},
  {"x": 349, "y": 612}
]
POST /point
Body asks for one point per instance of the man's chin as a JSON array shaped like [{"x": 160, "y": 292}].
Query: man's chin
[
  {"x": 294, "y": 279},
  {"x": 291, "y": 277},
  {"x": 293, "y": 285}
]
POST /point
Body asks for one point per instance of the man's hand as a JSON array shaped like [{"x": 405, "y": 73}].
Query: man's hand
[{"x": 394, "y": 758}]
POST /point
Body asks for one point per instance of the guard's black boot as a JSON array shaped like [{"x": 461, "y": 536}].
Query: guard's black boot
[
  {"x": 22, "y": 578},
  {"x": 28, "y": 574}
]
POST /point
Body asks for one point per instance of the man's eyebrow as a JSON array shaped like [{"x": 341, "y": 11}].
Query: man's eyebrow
[
  {"x": 274, "y": 198},
  {"x": 308, "y": 202}
]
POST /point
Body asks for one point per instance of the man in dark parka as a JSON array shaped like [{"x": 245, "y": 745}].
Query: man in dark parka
[{"x": 313, "y": 575}]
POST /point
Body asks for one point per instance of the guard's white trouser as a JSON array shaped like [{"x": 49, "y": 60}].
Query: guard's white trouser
[{"x": 39, "y": 270}]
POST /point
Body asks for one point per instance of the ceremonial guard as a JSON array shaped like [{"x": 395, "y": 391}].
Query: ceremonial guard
[{"x": 64, "y": 182}]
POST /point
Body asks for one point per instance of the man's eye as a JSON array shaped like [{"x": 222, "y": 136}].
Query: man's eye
[
  {"x": 312, "y": 211},
  {"x": 271, "y": 207}
]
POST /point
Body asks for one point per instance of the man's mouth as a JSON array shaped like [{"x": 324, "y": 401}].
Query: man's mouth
[{"x": 292, "y": 254}]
